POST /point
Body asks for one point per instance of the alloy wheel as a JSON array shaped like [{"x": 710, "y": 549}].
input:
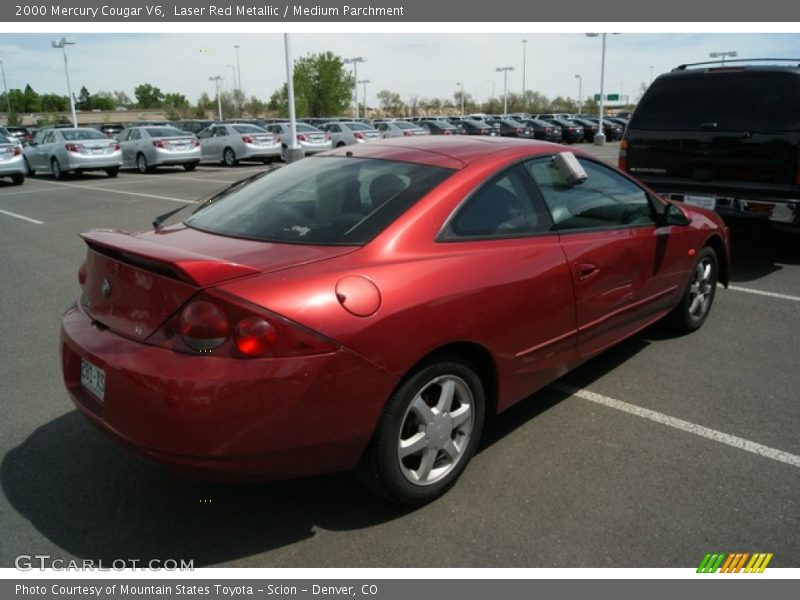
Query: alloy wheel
[{"x": 700, "y": 288}]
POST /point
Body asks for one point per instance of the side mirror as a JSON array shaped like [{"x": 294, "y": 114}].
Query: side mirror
[{"x": 675, "y": 215}]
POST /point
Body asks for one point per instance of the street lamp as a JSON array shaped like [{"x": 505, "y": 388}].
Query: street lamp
[
  {"x": 294, "y": 152},
  {"x": 524, "y": 53},
  {"x": 354, "y": 62},
  {"x": 216, "y": 79},
  {"x": 722, "y": 55},
  {"x": 365, "y": 82},
  {"x": 238, "y": 69},
  {"x": 5, "y": 87},
  {"x": 600, "y": 138},
  {"x": 63, "y": 43},
  {"x": 580, "y": 93},
  {"x": 462, "y": 96},
  {"x": 505, "y": 71}
]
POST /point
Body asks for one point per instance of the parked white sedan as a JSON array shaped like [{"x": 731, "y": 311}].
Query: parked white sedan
[
  {"x": 11, "y": 162},
  {"x": 148, "y": 147},
  {"x": 72, "y": 149},
  {"x": 232, "y": 142}
]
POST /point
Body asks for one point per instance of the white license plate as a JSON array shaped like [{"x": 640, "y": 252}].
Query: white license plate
[
  {"x": 93, "y": 379},
  {"x": 708, "y": 202}
]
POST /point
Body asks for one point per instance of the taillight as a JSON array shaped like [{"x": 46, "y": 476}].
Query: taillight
[
  {"x": 203, "y": 326},
  {"x": 247, "y": 139},
  {"x": 276, "y": 140},
  {"x": 159, "y": 143},
  {"x": 327, "y": 136},
  {"x": 17, "y": 150},
  {"x": 622, "y": 161},
  {"x": 73, "y": 147},
  {"x": 407, "y": 133},
  {"x": 446, "y": 132},
  {"x": 301, "y": 137},
  {"x": 358, "y": 135},
  {"x": 117, "y": 146},
  {"x": 220, "y": 325},
  {"x": 196, "y": 142},
  {"x": 255, "y": 336}
]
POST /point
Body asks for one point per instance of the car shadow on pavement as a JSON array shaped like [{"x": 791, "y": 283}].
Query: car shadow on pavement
[
  {"x": 97, "y": 501},
  {"x": 758, "y": 252}
]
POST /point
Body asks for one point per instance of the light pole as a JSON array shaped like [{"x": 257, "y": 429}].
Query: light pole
[
  {"x": 238, "y": 70},
  {"x": 462, "y": 96},
  {"x": 365, "y": 82},
  {"x": 580, "y": 93},
  {"x": 216, "y": 79},
  {"x": 722, "y": 55},
  {"x": 524, "y": 57},
  {"x": 600, "y": 138},
  {"x": 294, "y": 152},
  {"x": 354, "y": 62},
  {"x": 505, "y": 71},
  {"x": 5, "y": 87},
  {"x": 63, "y": 43}
]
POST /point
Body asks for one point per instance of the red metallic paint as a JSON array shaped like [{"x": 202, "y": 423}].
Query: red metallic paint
[{"x": 537, "y": 306}]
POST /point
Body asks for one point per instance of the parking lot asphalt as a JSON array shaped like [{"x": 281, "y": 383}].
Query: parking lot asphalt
[{"x": 652, "y": 454}]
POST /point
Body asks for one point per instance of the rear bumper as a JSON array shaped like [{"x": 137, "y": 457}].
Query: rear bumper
[
  {"x": 89, "y": 163},
  {"x": 14, "y": 166},
  {"x": 745, "y": 206},
  {"x": 167, "y": 157},
  {"x": 222, "y": 418},
  {"x": 257, "y": 152}
]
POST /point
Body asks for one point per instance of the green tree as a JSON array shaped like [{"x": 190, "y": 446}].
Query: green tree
[
  {"x": 122, "y": 99},
  {"x": 148, "y": 96},
  {"x": 32, "y": 101},
  {"x": 84, "y": 100},
  {"x": 391, "y": 102},
  {"x": 255, "y": 107},
  {"x": 322, "y": 87},
  {"x": 54, "y": 103},
  {"x": 103, "y": 101}
]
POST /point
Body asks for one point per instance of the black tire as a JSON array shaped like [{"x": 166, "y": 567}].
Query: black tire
[
  {"x": 340, "y": 144},
  {"x": 141, "y": 164},
  {"x": 55, "y": 167},
  {"x": 267, "y": 161},
  {"x": 112, "y": 172},
  {"x": 284, "y": 149},
  {"x": 385, "y": 472},
  {"x": 691, "y": 313},
  {"x": 190, "y": 166},
  {"x": 18, "y": 179},
  {"x": 229, "y": 157},
  {"x": 30, "y": 172}
]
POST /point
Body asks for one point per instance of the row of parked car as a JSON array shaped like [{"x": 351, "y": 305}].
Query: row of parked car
[{"x": 145, "y": 145}]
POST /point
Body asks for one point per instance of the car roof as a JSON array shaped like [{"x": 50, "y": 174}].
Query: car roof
[{"x": 453, "y": 152}]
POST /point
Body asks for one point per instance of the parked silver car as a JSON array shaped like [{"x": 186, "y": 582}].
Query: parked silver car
[
  {"x": 12, "y": 164},
  {"x": 393, "y": 129},
  {"x": 310, "y": 139},
  {"x": 232, "y": 142},
  {"x": 63, "y": 150},
  {"x": 344, "y": 133},
  {"x": 146, "y": 148}
]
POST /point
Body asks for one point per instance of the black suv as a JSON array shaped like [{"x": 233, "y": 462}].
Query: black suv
[{"x": 724, "y": 138}]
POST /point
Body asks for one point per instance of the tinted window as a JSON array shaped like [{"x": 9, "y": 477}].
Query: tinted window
[
  {"x": 307, "y": 128},
  {"x": 503, "y": 207},
  {"x": 248, "y": 129},
  {"x": 82, "y": 134},
  {"x": 135, "y": 135},
  {"x": 605, "y": 199},
  {"x": 164, "y": 132},
  {"x": 734, "y": 101},
  {"x": 404, "y": 125},
  {"x": 322, "y": 200}
]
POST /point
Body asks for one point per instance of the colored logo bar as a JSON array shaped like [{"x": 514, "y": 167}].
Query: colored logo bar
[{"x": 735, "y": 562}]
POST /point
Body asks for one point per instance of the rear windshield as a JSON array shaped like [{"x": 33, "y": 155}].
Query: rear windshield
[
  {"x": 357, "y": 126},
  {"x": 724, "y": 101},
  {"x": 404, "y": 125},
  {"x": 82, "y": 134},
  {"x": 249, "y": 129},
  {"x": 321, "y": 200},
  {"x": 158, "y": 132}
]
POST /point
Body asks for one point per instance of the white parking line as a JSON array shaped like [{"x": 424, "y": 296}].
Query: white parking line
[
  {"x": 192, "y": 179},
  {"x": 699, "y": 430},
  {"x": 108, "y": 190},
  {"x": 764, "y": 293},
  {"x": 23, "y": 217},
  {"x": 36, "y": 191}
]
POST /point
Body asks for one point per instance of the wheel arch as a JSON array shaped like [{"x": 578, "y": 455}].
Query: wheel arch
[{"x": 723, "y": 268}]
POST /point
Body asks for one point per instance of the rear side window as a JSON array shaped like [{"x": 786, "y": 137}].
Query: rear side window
[
  {"x": 320, "y": 200},
  {"x": 724, "y": 101},
  {"x": 503, "y": 207}
]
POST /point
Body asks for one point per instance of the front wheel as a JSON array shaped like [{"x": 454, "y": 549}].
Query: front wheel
[
  {"x": 696, "y": 303},
  {"x": 428, "y": 433}
]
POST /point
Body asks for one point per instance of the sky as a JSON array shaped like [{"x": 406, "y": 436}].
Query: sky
[{"x": 426, "y": 65}]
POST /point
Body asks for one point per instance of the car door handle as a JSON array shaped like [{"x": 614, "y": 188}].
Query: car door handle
[{"x": 586, "y": 271}]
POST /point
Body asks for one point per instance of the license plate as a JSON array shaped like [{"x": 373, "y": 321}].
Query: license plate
[
  {"x": 93, "y": 379},
  {"x": 97, "y": 150},
  {"x": 708, "y": 202}
]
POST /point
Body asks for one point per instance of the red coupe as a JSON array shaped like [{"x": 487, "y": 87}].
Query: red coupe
[{"x": 369, "y": 307}]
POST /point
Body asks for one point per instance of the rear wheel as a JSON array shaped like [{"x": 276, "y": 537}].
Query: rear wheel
[
  {"x": 141, "y": 164},
  {"x": 229, "y": 157},
  {"x": 267, "y": 161},
  {"x": 190, "y": 166},
  {"x": 428, "y": 433},
  {"x": 55, "y": 167},
  {"x": 696, "y": 303},
  {"x": 18, "y": 178},
  {"x": 112, "y": 172}
]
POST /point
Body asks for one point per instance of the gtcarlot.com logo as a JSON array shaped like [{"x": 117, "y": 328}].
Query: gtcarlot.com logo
[
  {"x": 734, "y": 562},
  {"x": 28, "y": 562}
]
